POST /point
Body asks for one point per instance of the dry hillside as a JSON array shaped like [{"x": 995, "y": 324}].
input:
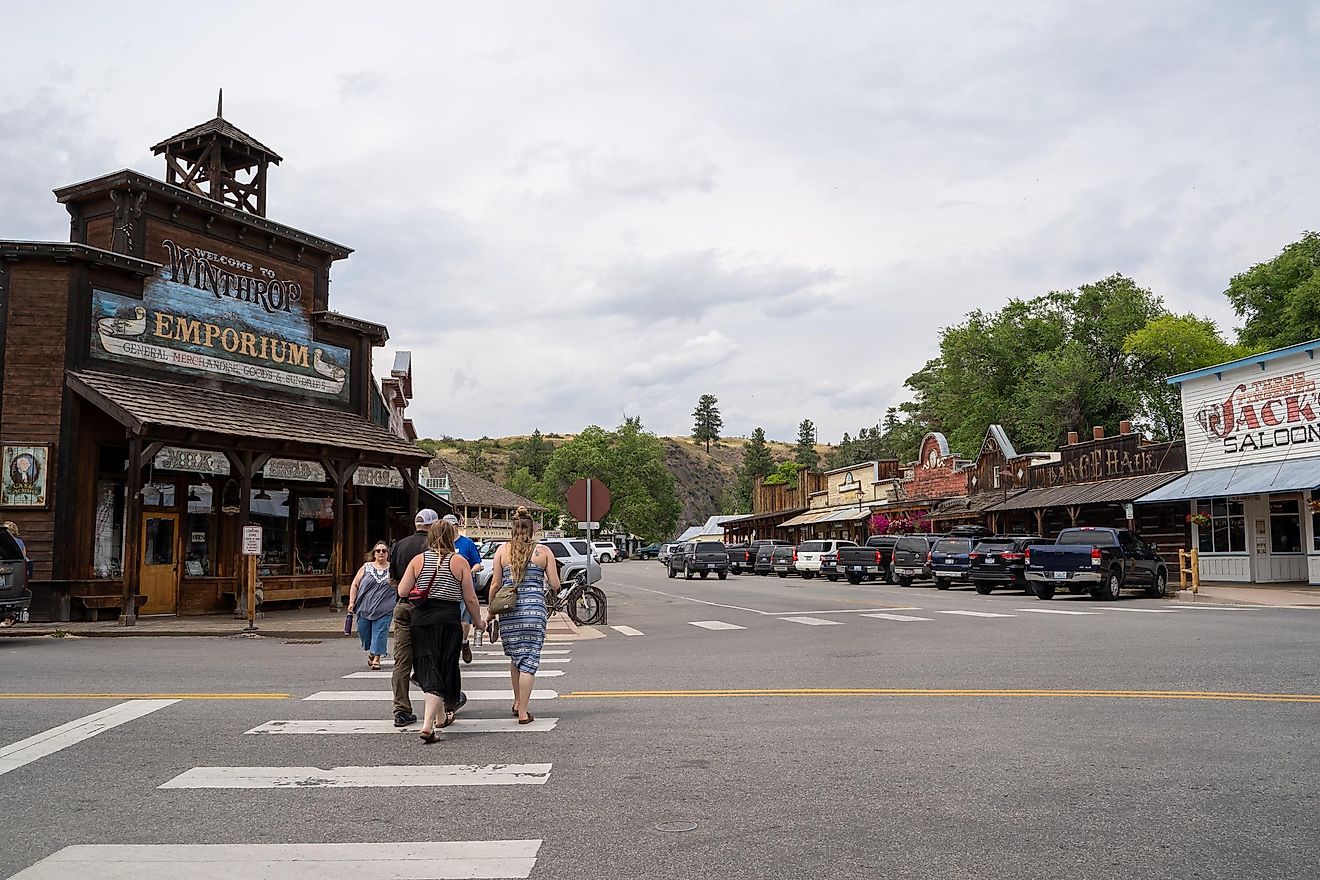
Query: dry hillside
[{"x": 704, "y": 481}]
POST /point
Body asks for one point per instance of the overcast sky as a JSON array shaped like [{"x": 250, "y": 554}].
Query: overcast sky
[{"x": 573, "y": 211}]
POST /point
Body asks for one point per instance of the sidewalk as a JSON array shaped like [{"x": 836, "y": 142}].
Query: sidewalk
[
  {"x": 307, "y": 623},
  {"x": 1250, "y": 594}
]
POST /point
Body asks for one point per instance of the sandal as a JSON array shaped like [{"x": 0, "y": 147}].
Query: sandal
[
  {"x": 528, "y": 720},
  {"x": 375, "y": 664},
  {"x": 515, "y": 710},
  {"x": 428, "y": 736},
  {"x": 449, "y": 719}
]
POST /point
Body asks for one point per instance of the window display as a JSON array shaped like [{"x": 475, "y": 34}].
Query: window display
[
  {"x": 270, "y": 510},
  {"x": 108, "y": 529},
  {"x": 315, "y": 536},
  {"x": 1285, "y": 526},
  {"x": 1227, "y": 531},
  {"x": 200, "y": 537}
]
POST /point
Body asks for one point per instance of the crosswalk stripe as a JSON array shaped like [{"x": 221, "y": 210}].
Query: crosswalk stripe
[
  {"x": 1148, "y": 610},
  {"x": 467, "y": 673},
  {"x": 25, "y": 751},
  {"x": 1053, "y": 611},
  {"x": 628, "y": 630},
  {"x": 460, "y": 725},
  {"x": 904, "y": 618},
  {"x": 490, "y": 859},
  {"x": 389, "y": 776},
  {"x": 547, "y": 652},
  {"x": 715, "y": 624},
  {"x": 377, "y": 696},
  {"x": 484, "y": 661},
  {"x": 974, "y": 613},
  {"x": 813, "y": 621}
]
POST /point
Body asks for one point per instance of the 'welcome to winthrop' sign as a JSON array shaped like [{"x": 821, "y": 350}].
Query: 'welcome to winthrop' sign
[
  {"x": 199, "y": 315},
  {"x": 1249, "y": 414}
]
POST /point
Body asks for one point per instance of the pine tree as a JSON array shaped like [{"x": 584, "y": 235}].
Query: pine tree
[
  {"x": 533, "y": 454},
  {"x": 708, "y": 422},
  {"x": 805, "y": 452},
  {"x": 756, "y": 462}
]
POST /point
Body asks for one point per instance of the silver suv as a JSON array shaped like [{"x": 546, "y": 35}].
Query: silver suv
[{"x": 570, "y": 553}]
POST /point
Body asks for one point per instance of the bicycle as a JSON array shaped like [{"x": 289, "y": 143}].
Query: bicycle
[{"x": 584, "y": 604}]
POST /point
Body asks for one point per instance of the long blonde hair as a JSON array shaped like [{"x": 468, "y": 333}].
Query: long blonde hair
[
  {"x": 521, "y": 545},
  {"x": 441, "y": 537}
]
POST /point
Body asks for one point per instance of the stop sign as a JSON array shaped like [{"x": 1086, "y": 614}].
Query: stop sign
[{"x": 577, "y": 501}]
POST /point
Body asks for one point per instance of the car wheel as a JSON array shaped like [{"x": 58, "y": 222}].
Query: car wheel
[
  {"x": 889, "y": 574},
  {"x": 687, "y": 574},
  {"x": 983, "y": 588},
  {"x": 855, "y": 579},
  {"x": 808, "y": 575},
  {"x": 1044, "y": 591},
  {"x": 670, "y": 571},
  {"x": 723, "y": 575},
  {"x": 832, "y": 578},
  {"x": 1158, "y": 588},
  {"x": 782, "y": 574},
  {"x": 704, "y": 574},
  {"x": 941, "y": 583},
  {"x": 1113, "y": 586}
]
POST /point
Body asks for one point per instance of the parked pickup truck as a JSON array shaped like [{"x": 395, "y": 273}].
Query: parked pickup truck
[
  {"x": 14, "y": 594},
  {"x": 873, "y": 560},
  {"x": 1103, "y": 561},
  {"x": 809, "y": 555},
  {"x": 701, "y": 558}
]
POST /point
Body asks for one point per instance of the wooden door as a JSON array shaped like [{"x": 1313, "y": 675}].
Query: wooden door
[{"x": 160, "y": 562}]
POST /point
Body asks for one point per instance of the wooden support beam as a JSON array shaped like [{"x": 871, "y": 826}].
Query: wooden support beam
[{"x": 132, "y": 534}]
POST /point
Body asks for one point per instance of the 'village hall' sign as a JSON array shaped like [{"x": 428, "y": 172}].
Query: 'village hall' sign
[{"x": 206, "y": 313}]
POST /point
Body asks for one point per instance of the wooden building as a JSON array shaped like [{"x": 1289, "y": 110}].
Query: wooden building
[
  {"x": 485, "y": 509},
  {"x": 174, "y": 373}
]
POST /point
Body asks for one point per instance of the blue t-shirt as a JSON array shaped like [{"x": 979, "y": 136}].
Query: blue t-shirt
[{"x": 467, "y": 548}]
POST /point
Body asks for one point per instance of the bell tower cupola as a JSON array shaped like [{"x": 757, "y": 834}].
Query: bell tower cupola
[{"x": 218, "y": 160}]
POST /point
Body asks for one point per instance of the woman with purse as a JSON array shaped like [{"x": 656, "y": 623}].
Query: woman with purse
[
  {"x": 372, "y": 598},
  {"x": 436, "y": 582},
  {"x": 524, "y": 568}
]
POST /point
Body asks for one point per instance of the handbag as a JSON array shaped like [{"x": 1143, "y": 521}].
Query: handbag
[
  {"x": 417, "y": 595},
  {"x": 504, "y": 599}
]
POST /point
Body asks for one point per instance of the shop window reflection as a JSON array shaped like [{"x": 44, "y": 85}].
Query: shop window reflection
[
  {"x": 1227, "y": 531},
  {"x": 1285, "y": 526},
  {"x": 158, "y": 495},
  {"x": 270, "y": 510},
  {"x": 314, "y": 534},
  {"x": 200, "y": 537},
  {"x": 108, "y": 541}
]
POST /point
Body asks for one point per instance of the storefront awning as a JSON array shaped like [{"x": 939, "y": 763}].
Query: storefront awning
[
  {"x": 147, "y": 406},
  {"x": 805, "y": 519},
  {"x": 1078, "y": 494},
  {"x": 1247, "y": 479},
  {"x": 851, "y": 514}
]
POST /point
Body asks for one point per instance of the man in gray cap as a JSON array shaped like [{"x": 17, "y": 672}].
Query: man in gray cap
[
  {"x": 402, "y": 553},
  {"x": 467, "y": 548}
]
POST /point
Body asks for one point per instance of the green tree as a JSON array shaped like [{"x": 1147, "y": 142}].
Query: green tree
[
  {"x": 805, "y": 452},
  {"x": 756, "y": 462},
  {"x": 476, "y": 462},
  {"x": 784, "y": 474},
  {"x": 707, "y": 421},
  {"x": 1167, "y": 346},
  {"x": 532, "y": 453},
  {"x": 522, "y": 482},
  {"x": 1280, "y": 299},
  {"x": 630, "y": 461}
]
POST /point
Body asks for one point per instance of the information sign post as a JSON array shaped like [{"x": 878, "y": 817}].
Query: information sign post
[{"x": 251, "y": 550}]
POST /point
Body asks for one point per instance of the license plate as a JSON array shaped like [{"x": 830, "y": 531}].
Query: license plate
[
  {"x": 949, "y": 559},
  {"x": 781, "y": 568},
  {"x": 905, "y": 571},
  {"x": 992, "y": 559},
  {"x": 854, "y": 568},
  {"x": 710, "y": 565},
  {"x": 1059, "y": 575}
]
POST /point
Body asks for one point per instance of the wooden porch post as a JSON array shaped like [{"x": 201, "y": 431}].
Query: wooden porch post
[
  {"x": 132, "y": 560},
  {"x": 340, "y": 473},
  {"x": 1040, "y": 521}
]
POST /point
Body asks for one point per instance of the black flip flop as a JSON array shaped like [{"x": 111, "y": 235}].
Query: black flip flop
[{"x": 529, "y": 719}]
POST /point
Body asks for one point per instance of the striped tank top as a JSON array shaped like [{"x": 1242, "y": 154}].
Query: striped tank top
[{"x": 440, "y": 582}]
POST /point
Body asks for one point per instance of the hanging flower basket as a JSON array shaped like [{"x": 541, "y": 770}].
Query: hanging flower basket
[
  {"x": 1200, "y": 520},
  {"x": 1314, "y": 504}
]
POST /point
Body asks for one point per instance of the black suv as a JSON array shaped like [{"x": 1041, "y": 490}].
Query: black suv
[
  {"x": 1001, "y": 562},
  {"x": 741, "y": 558},
  {"x": 14, "y": 595},
  {"x": 702, "y": 558},
  {"x": 912, "y": 558},
  {"x": 950, "y": 561},
  {"x": 762, "y": 551}
]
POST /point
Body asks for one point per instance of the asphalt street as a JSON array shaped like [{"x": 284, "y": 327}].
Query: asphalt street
[{"x": 756, "y": 728}]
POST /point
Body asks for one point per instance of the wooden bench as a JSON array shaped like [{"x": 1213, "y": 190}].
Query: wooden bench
[
  {"x": 94, "y": 604},
  {"x": 286, "y": 594}
]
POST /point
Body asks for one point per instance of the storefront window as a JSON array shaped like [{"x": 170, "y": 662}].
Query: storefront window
[
  {"x": 108, "y": 547},
  {"x": 315, "y": 534},
  {"x": 1227, "y": 531},
  {"x": 158, "y": 495},
  {"x": 200, "y": 537},
  {"x": 1285, "y": 526},
  {"x": 270, "y": 510}
]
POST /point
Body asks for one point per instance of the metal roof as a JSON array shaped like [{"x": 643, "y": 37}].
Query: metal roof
[
  {"x": 811, "y": 516},
  {"x": 1264, "y": 357},
  {"x": 1247, "y": 479},
  {"x": 1099, "y": 492}
]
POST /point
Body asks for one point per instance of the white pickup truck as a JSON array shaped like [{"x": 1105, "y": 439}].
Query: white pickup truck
[{"x": 809, "y": 553}]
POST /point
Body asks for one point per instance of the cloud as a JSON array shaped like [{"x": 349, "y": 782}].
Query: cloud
[
  {"x": 356, "y": 84},
  {"x": 690, "y": 357}
]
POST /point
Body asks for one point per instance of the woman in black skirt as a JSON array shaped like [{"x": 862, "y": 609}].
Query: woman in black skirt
[{"x": 445, "y": 578}]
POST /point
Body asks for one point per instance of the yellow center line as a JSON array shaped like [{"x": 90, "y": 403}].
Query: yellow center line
[
  {"x": 263, "y": 696},
  {"x": 942, "y": 692}
]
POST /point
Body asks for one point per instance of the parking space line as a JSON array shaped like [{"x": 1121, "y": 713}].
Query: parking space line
[
  {"x": 715, "y": 624},
  {"x": 1053, "y": 611},
  {"x": 813, "y": 621},
  {"x": 902, "y": 618},
  {"x": 974, "y": 613},
  {"x": 48, "y": 742},
  {"x": 627, "y": 630}
]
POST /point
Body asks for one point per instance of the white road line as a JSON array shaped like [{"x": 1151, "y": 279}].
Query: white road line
[
  {"x": 698, "y": 601},
  {"x": 903, "y": 618},
  {"x": 813, "y": 621},
  {"x": 1202, "y": 607},
  {"x": 467, "y": 673},
  {"x": 25, "y": 751},
  {"x": 390, "y": 776},
  {"x": 628, "y": 630},
  {"x": 511, "y": 859},
  {"x": 461, "y": 725},
  {"x": 505, "y": 661},
  {"x": 1148, "y": 610},
  {"x": 715, "y": 624},
  {"x": 862, "y": 611},
  {"x": 1053, "y": 611},
  {"x": 382, "y": 696},
  {"x": 480, "y": 653},
  {"x": 974, "y": 613}
]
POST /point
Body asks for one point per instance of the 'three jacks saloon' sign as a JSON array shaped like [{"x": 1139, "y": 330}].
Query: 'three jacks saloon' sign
[
  {"x": 1252, "y": 415},
  {"x": 207, "y": 313}
]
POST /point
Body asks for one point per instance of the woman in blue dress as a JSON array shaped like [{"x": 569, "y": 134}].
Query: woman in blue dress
[{"x": 532, "y": 567}]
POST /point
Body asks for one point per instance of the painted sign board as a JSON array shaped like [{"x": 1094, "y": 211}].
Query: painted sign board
[
  {"x": 212, "y": 314},
  {"x": 1247, "y": 415},
  {"x": 251, "y": 540}
]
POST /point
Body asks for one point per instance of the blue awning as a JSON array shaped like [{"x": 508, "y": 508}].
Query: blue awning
[{"x": 1247, "y": 479}]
